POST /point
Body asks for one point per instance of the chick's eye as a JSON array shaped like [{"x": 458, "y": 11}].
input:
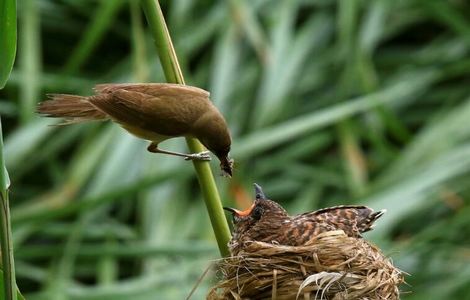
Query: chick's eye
[{"x": 257, "y": 212}]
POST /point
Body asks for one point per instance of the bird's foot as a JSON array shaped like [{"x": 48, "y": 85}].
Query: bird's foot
[{"x": 199, "y": 156}]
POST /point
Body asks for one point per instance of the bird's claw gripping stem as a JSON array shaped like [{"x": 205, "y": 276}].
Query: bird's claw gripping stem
[{"x": 204, "y": 156}]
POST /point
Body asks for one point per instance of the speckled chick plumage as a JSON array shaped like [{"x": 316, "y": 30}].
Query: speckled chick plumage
[{"x": 267, "y": 221}]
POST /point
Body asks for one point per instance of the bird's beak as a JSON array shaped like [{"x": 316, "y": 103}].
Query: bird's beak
[
  {"x": 226, "y": 165},
  {"x": 259, "y": 192},
  {"x": 240, "y": 213}
]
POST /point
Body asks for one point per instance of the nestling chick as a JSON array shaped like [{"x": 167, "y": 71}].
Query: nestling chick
[
  {"x": 267, "y": 221},
  {"x": 151, "y": 111}
]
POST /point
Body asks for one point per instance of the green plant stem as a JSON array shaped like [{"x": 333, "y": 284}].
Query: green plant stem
[
  {"x": 173, "y": 74},
  {"x": 6, "y": 242},
  {"x": 7, "y": 249}
]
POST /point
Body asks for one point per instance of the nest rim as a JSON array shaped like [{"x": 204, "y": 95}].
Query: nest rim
[{"x": 331, "y": 265}]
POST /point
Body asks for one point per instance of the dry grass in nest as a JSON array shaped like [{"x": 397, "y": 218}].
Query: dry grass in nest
[{"x": 332, "y": 266}]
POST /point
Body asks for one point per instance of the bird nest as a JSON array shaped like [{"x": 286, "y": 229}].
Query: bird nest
[{"x": 331, "y": 266}]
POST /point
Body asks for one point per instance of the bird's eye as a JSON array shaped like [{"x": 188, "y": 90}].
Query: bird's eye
[{"x": 257, "y": 212}]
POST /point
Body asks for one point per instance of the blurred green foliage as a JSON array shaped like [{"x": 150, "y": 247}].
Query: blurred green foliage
[{"x": 329, "y": 102}]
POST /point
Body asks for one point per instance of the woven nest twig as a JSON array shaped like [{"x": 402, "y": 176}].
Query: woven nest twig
[{"x": 332, "y": 266}]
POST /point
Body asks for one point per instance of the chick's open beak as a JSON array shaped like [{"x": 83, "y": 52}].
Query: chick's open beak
[{"x": 240, "y": 213}]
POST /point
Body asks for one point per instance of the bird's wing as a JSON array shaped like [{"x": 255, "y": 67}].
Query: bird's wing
[
  {"x": 147, "y": 112},
  {"x": 333, "y": 208},
  {"x": 353, "y": 220},
  {"x": 154, "y": 89}
]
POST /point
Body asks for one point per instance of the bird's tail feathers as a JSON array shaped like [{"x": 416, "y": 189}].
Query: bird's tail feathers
[
  {"x": 74, "y": 109},
  {"x": 367, "y": 223}
]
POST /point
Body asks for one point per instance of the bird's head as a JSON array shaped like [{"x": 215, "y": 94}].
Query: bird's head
[
  {"x": 220, "y": 146},
  {"x": 212, "y": 130},
  {"x": 262, "y": 210}
]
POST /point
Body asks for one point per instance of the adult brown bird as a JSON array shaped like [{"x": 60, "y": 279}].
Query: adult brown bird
[
  {"x": 267, "y": 221},
  {"x": 151, "y": 111}
]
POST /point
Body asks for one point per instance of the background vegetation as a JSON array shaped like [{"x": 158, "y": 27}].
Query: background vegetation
[{"x": 329, "y": 102}]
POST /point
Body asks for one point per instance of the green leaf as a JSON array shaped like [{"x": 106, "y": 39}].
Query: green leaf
[{"x": 7, "y": 39}]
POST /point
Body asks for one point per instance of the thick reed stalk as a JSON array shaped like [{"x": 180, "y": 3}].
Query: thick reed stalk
[
  {"x": 6, "y": 242},
  {"x": 173, "y": 74}
]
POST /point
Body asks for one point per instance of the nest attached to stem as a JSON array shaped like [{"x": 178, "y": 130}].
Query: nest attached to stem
[{"x": 332, "y": 266}]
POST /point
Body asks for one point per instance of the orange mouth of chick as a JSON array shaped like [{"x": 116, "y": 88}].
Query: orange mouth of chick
[
  {"x": 241, "y": 213},
  {"x": 246, "y": 212}
]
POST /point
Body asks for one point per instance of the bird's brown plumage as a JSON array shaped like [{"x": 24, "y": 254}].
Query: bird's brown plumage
[
  {"x": 153, "y": 111},
  {"x": 267, "y": 221}
]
